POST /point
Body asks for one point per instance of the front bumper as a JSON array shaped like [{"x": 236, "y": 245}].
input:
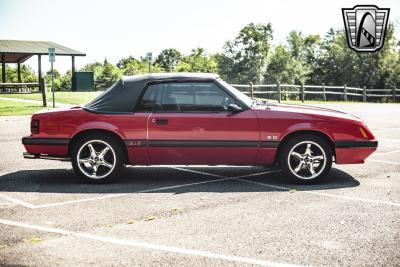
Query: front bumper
[{"x": 354, "y": 152}]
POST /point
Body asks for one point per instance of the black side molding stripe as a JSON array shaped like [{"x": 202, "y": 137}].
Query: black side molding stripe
[
  {"x": 269, "y": 144},
  {"x": 200, "y": 143},
  {"x": 350, "y": 144},
  {"x": 45, "y": 141}
]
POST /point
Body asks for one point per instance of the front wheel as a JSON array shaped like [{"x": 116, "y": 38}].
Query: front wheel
[
  {"x": 306, "y": 158},
  {"x": 97, "y": 158}
]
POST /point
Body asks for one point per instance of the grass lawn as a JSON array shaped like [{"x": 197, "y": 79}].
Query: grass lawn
[
  {"x": 12, "y": 108},
  {"x": 74, "y": 98}
]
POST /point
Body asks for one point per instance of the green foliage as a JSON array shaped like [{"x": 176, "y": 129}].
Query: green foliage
[
  {"x": 244, "y": 59},
  {"x": 338, "y": 64},
  {"x": 132, "y": 66},
  {"x": 57, "y": 79},
  {"x": 283, "y": 67},
  {"x": 66, "y": 81},
  {"x": 27, "y": 74},
  {"x": 109, "y": 74},
  {"x": 168, "y": 59},
  {"x": 93, "y": 67},
  {"x": 197, "y": 61}
]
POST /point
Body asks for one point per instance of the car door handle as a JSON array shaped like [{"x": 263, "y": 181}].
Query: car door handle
[{"x": 161, "y": 121}]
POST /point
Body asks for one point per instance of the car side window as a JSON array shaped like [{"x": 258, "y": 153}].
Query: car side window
[
  {"x": 194, "y": 97},
  {"x": 149, "y": 99}
]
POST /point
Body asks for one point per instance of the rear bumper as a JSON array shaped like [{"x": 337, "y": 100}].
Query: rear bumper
[
  {"x": 44, "y": 156},
  {"x": 45, "y": 141},
  {"x": 354, "y": 152},
  {"x": 40, "y": 147}
]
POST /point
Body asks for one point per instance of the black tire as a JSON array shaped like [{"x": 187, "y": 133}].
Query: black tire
[
  {"x": 114, "y": 156},
  {"x": 290, "y": 161}
]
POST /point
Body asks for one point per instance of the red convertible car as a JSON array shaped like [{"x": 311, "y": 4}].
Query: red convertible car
[{"x": 188, "y": 119}]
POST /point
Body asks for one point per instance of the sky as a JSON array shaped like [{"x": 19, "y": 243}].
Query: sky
[{"x": 119, "y": 28}]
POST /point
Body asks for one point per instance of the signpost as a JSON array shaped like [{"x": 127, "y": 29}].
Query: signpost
[
  {"x": 52, "y": 59},
  {"x": 149, "y": 56}
]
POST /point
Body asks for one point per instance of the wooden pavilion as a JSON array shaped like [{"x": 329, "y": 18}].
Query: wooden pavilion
[{"x": 17, "y": 52}]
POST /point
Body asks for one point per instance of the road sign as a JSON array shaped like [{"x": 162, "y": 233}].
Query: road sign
[
  {"x": 52, "y": 54},
  {"x": 52, "y": 59},
  {"x": 149, "y": 56}
]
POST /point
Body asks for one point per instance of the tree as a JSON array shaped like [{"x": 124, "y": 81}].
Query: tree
[
  {"x": 197, "y": 61},
  {"x": 109, "y": 74},
  {"x": 283, "y": 67},
  {"x": 168, "y": 59},
  {"x": 304, "y": 51},
  {"x": 132, "y": 66},
  {"x": 27, "y": 74},
  {"x": 338, "y": 64},
  {"x": 66, "y": 81},
  {"x": 244, "y": 59},
  {"x": 57, "y": 79},
  {"x": 93, "y": 67}
]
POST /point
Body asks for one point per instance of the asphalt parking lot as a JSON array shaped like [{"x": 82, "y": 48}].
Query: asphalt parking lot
[{"x": 185, "y": 215}]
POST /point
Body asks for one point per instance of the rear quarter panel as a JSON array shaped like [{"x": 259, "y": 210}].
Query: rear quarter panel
[{"x": 68, "y": 123}]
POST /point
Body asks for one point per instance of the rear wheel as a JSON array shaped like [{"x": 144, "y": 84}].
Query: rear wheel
[
  {"x": 306, "y": 158},
  {"x": 97, "y": 158}
]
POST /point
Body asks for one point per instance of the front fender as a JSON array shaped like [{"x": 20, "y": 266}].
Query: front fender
[{"x": 320, "y": 127}]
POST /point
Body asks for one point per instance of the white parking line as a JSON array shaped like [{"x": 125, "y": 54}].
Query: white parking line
[
  {"x": 385, "y": 129},
  {"x": 125, "y": 194},
  {"x": 326, "y": 194},
  {"x": 389, "y": 140},
  {"x": 199, "y": 172},
  {"x": 32, "y": 206},
  {"x": 386, "y": 153},
  {"x": 384, "y": 161},
  {"x": 238, "y": 178},
  {"x": 149, "y": 246},
  {"x": 17, "y": 201},
  {"x": 227, "y": 178},
  {"x": 222, "y": 178}
]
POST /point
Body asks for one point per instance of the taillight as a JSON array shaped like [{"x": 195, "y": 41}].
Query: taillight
[{"x": 35, "y": 126}]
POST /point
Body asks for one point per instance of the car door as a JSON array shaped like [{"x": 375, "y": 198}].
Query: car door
[{"x": 191, "y": 124}]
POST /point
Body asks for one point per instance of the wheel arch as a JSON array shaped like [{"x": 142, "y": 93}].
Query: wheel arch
[
  {"x": 318, "y": 133},
  {"x": 114, "y": 135}
]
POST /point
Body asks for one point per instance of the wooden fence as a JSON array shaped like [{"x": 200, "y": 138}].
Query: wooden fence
[
  {"x": 269, "y": 91},
  {"x": 317, "y": 92}
]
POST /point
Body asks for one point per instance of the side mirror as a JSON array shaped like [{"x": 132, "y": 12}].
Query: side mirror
[{"x": 234, "y": 108}]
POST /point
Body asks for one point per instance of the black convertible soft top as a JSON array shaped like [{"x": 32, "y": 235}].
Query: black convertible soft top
[{"x": 123, "y": 95}]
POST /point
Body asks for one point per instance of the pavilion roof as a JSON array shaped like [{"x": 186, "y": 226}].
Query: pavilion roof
[{"x": 19, "y": 51}]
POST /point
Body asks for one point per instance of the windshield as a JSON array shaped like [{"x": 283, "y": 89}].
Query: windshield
[{"x": 241, "y": 96}]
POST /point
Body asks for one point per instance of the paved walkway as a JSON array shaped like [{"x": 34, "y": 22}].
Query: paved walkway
[{"x": 35, "y": 102}]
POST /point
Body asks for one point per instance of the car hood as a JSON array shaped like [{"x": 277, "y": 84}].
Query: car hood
[{"x": 311, "y": 110}]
